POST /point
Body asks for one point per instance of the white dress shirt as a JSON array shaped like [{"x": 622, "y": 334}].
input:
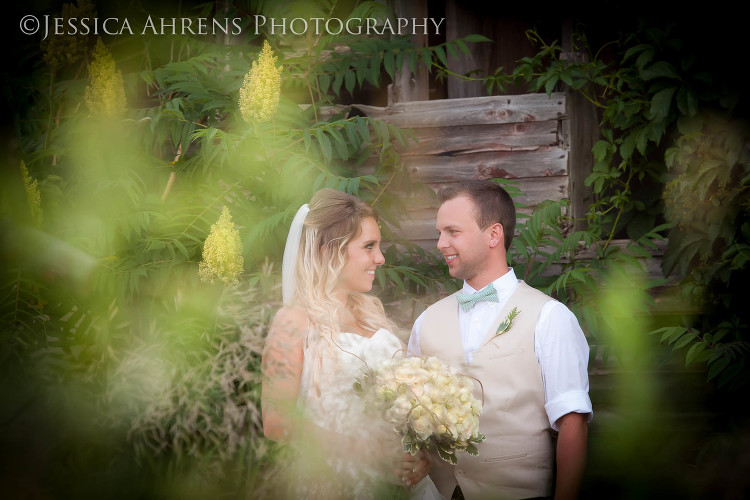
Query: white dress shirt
[{"x": 559, "y": 345}]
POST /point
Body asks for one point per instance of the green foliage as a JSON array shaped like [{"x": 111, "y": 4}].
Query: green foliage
[
  {"x": 541, "y": 244},
  {"x": 100, "y": 298},
  {"x": 194, "y": 400},
  {"x": 721, "y": 350},
  {"x": 653, "y": 98},
  {"x": 640, "y": 96},
  {"x": 707, "y": 200}
]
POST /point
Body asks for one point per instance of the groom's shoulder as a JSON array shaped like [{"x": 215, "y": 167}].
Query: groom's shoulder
[{"x": 534, "y": 292}]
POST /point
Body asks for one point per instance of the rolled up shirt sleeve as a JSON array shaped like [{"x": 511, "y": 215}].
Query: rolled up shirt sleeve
[{"x": 563, "y": 354}]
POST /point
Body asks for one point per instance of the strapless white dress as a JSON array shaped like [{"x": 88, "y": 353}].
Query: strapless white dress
[
  {"x": 361, "y": 472},
  {"x": 337, "y": 408}
]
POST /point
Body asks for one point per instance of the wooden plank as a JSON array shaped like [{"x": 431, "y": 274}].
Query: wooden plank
[
  {"x": 581, "y": 132},
  {"x": 501, "y": 23},
  {"x": 470, "y": 111},
  {"x": 475, "y": 138},
  {"x": 492, "y": 109},
  {"x": 547, "y": 162},
  {"x": 429, "y": 212},
  {"x": 540, "y": 100},
  {"x": 584, "y": 131},
  {"x": 534, "y": 190},
  {"x": 408, "y": 86},
  {"x": 461, "y": 20}
]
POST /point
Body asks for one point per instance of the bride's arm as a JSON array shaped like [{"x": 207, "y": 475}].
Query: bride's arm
[
  {"x": 282, "y": 369},
  {"x": 282, "y": 361}
]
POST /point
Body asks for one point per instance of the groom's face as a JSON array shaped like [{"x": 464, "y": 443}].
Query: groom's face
[{"x": 463, "y": 244}]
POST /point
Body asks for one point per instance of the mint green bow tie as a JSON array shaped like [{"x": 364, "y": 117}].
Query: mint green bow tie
[{"x": 467, "y": 300}]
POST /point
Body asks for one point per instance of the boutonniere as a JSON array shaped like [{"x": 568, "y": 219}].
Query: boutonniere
[{"x": 507, "y": 322}]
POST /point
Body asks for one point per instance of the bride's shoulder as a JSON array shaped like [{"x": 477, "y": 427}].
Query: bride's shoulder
[
  {"x": 290, "y": 321},
  {"x": 286, "y": 335}
]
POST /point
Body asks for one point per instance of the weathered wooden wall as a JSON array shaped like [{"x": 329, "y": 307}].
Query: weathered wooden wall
[
  {"x": 515, "y": 137},
  {"x": 501, "y": 22}
]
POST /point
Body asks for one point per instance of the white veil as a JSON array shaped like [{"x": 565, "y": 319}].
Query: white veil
[{"x": 291, "y": 249}]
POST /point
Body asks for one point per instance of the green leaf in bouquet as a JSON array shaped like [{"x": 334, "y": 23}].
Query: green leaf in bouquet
[
  {"x": 412, "y": 448},
  {"x": 472, "y": 450},
  {"x": 447, "y": 455}
]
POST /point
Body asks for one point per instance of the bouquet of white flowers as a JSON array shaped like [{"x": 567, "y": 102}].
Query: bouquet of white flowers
[{"x": 429, "y": 404}]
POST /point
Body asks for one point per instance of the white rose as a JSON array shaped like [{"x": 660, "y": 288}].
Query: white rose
[
  {"x": 467, "y": 383},
  {"x": 475, "y": 422},
  {"x": 433, "y": 365},
  {"x": 447, "y": 417},
  {"x": 464, "y": 394},
  {"x": 453, "y": 403},
  {"x": 441, "y": 381},
  {"x": 429, "y": 389},
  {"x": 418, "y": 412},
  {"x": 422, "y": 427},
  {"x": 411, "y": 362},
  {"x": 435, "y": 410},
  {"x": 388, "y": 380},
  {"x": 392, "y": 416},
  {"x": 440, "y": 397},
  {"x": 411, "y": 375},
  {"x": 401, "y": 407},
  {"x": 476, "y": 407},
  {"x": 417, "y": 390}
]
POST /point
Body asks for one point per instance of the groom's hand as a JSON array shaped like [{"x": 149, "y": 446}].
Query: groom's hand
[{"x": 414, "y": 468}]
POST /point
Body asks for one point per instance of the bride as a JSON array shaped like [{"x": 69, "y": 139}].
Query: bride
[{"x": 328, "y": 331}]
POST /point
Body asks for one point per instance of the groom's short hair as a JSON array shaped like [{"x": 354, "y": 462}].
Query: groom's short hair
[{"x": 492, "y": 204}]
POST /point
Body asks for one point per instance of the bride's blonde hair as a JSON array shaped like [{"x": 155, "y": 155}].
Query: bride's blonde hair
[{"x": 333, "y": 221}]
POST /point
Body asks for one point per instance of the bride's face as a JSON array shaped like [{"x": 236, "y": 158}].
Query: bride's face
[{"x": 363, "y": 256}]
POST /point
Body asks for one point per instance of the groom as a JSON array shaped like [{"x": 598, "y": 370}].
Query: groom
[{"x": 532, "y": 365}]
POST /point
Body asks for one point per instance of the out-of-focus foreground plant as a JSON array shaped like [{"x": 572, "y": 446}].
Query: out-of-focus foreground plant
[{"x": 124, "y": 373}]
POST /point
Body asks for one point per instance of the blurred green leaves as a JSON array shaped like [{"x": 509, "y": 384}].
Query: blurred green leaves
[{"x": 108, "y": 330}]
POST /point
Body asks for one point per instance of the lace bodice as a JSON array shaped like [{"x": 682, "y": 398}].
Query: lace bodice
[{"x": 336, "y": 407}]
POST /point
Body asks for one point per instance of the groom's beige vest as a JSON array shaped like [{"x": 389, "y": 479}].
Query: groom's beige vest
[{"x": 516, "y": 459}]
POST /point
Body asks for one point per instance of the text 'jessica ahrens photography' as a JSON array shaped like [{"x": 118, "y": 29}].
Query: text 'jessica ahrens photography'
[{"x": 59, "y": 26}]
